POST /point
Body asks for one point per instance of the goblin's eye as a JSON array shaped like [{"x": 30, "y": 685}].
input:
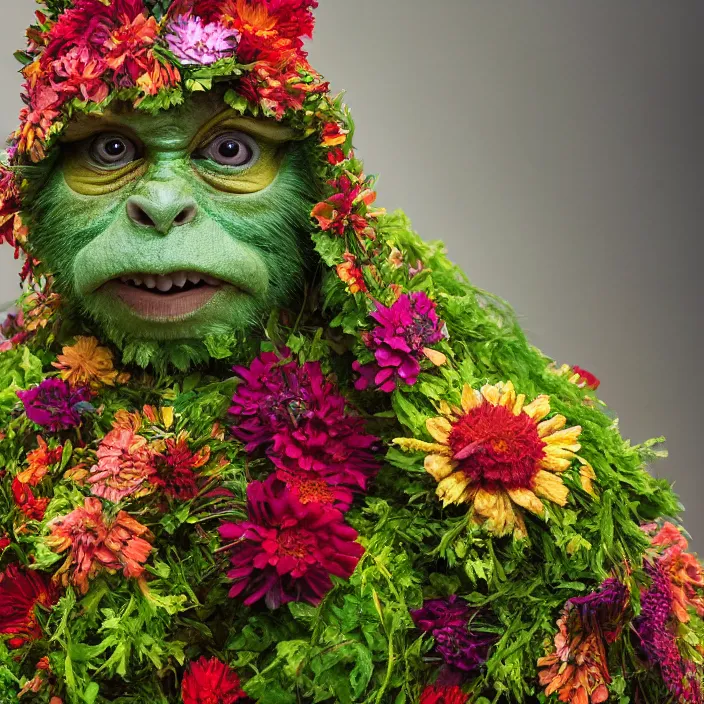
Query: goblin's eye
[
  {"x": 111, "y": 151},
  {"x": 231, "y": 149}
]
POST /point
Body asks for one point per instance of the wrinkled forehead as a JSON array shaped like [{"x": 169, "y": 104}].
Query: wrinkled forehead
[{"x": 177, "y": 127}]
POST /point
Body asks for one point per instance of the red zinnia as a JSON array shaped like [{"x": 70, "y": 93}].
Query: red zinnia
[
  {"x": 174, "y": 469},
  {"x": 443, "y": 695},
  {"x": 20, "y": 591},
  {"x": 211, "y": 682},
  {"x": 287, "y": 551},
  {"x": 31, "y": 506},
  {"x": 587, "y": 378}
]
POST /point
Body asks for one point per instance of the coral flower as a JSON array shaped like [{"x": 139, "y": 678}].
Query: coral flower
[
  {"x": 54, "y": 405},
  {"x": 125, "y": 465},
  {"x": 287, "y": 551},
  {"x": 97, "y": 544},
  {"x": 39, "y": 462},
  {"x": 435, "y": 694},
  {"x": 31, "y": 506},
  {"x": 86, "y": 362},
  {"x": 405, "y": 333},
  {"x": 351, "y": 274},
  {"x": 495, "y": 454},
  {"x": 341, "y": 211},
  {"x": 211, "y": 681},
  {"x": 21, "y": 591}
]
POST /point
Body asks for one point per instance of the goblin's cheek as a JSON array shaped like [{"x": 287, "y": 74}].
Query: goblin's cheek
[{"x": 81, "y": 179}]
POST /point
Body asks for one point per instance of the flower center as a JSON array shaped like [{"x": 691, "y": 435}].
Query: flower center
[
  {"x": 496, "y": 448},
  {"x": 292, "y": 542},
  {"x": 314, "y": 490}
]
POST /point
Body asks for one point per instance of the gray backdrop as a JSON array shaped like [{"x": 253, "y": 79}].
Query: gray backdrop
[{"x": 556, "y": 147}]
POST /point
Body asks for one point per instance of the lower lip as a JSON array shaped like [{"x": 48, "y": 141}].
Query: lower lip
[{"x": 162, "y": 306}]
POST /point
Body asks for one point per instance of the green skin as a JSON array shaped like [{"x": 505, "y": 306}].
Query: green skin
[{"x": 257, "y": 242}]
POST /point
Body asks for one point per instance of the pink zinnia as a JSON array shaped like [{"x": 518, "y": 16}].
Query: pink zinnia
[
  {"x": 406, "y": 331},
  {"x": 125, "y": 465},
  {"x": 96, "y": 543},
  {"x": 287, "y": 551},
  {"x": 305, "y": 425},
  {"x": 193, "y": 42}
]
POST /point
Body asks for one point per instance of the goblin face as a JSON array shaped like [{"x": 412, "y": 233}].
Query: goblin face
[{"x": 176, "y": 225}]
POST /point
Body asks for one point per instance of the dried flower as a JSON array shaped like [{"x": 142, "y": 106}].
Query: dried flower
[
  {"x": 54, "y": 405},
  {"x": 21, "y": 591},
  {"x": 211, "y": 681},
  {"x": 406, "y": 331},
  {"x": 86, "y": 362},
  {"x": 287, "y": 551},
  {"x": 97, "y": 544},
  {"x": 125, "y": 466}
]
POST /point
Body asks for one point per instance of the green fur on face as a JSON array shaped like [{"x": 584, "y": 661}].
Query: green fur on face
[{"x": 169, "y": 207}]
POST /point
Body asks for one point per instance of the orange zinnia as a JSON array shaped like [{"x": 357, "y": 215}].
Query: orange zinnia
[
  {"x": 495, "y": 454},
  {"x": 87, "y": 362}
]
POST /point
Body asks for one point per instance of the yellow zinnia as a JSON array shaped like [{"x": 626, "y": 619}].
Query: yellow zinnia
[
  {"x": 500, "y": 456},
  {"x": 86, "y": 362}
]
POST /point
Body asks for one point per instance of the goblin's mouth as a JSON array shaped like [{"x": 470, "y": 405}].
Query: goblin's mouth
[{"x": 165, "y": 297}]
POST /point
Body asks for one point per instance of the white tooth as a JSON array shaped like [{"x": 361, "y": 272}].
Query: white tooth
[
  {"x": 124, "y": 279},
  {"x": 164, "y": 283},
  {"x": 179, "y": 279},
  {"x": 137, "y": 281},
  {"x": 194, "y": 277},
  {"x": 149, "y": 281},
  {"x": 211, "y": 281}
]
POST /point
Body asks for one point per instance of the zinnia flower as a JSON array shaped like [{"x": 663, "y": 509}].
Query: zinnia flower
[
  {"x": 30, "y": 505},
  {"x": 86, "y": 362},
  {"x": 174, "y": 469},
  {"x": 193, "y": 42},
  {"x": 95, "y": 544},
  {"x": 287, "y": 551},
  {"x": 351, "y": 274},
  {"x": 54, "y": 405},
  {"x": 125, "y": 466},
  {"x": 447, "y": 621},
  {"x": 39, "y": 462},
  {"x": 495, "y": 454},
  {"x": 577, "y": 669},
  {"x": 21, "y": 591},
  {"x": 304, "y": 423},
  {"x": 684, "y": 571},
  {"x": 657, "y": 629},
  {"x": 435, "y": 694},
  {"x": 341, "y": 211},
  {"x": 405, "y": 333},
  {"x": 211, "y": 681}
]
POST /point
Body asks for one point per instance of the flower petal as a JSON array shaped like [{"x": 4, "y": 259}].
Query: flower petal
[
  {"x": 508, "y": 397},
  {"x": 439, "y": 466},
  {"x": 528, "y": 500},
  {"x": 550, "y": 486},
  {"x": 491, "y": 394},
  {"x": 557, "y": 422},
  {"x": 470, "y": 398},
  {"x": 538, "y": 408},
  {"x": 439, "y": 428},
  {"x": 451, "y": 489}
]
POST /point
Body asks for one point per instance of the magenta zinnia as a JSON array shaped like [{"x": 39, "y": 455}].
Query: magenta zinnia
[
  {"x": 406, "y": 331},
  {"x": 54, "y": 405},
  {"x": 305, "y": 425},
  {"x": 287, "y": 551}
]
